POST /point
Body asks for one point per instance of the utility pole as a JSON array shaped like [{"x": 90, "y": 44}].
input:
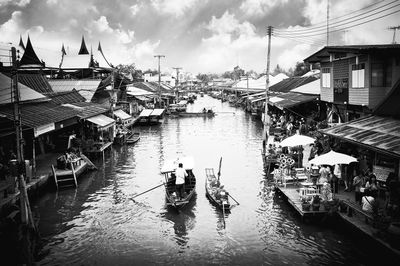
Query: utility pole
[
  {"x": 26, "y": 214},
  {"x": 177, "y": 81},
  {"x": 327, "y": 22},
  {"x": 266, "y": 116},
  {"x": 159, "y": 78},
  {"x": 112, "y": 94},
  {"x": 394, "y": 28}
]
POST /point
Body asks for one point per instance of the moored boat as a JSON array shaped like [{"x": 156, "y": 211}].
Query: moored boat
[
  {"x": 209, "y": 113},
  {"x": 133, "y": 138},
  {"x": 168, "y": 170}
]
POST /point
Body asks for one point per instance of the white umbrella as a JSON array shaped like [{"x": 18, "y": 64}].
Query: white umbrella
[
  {"x": 296, "y": 140},
  {"x": 332, "y": 158}
]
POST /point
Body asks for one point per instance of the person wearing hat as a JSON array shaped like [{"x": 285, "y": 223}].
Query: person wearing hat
[{"x": 180, "y": 180}]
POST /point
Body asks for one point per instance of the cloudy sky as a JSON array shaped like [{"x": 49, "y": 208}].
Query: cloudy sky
[{"x": 201, "y": 36}]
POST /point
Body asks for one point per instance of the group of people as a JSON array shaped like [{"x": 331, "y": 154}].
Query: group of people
[{"x": 289, "y": 124}]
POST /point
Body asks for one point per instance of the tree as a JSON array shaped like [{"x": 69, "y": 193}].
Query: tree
[{"x": 301, "y": 68}]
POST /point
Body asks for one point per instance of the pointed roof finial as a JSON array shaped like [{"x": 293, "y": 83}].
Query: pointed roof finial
[
  {"x": 21, "y": 43},
  {"x": 83, "y": 49},
  {"x": 30, "y": 57}
]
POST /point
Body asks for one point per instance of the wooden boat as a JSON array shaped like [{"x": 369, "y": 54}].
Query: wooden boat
[
  {"x": 215, "y": 192},
  {"x": 76, "y": 167},
  {"x": 133, "y": 138},
  {"x": 209, "y": 113},
  {"x": 168, "y": 170}
]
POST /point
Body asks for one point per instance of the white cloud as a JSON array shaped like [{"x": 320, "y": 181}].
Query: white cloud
[
  {"x": 173, "y": 7},
  {"x": 292, "y": 54},
  {"x": 10, "y": 30},
  {"x": 134, "y": 9},
  {"x": 259, "y": 7},
  {"x": 52, "y": 2},
  {"x": 101, "y": 25},
  {"x": 229, "y": 24},
  {"x": 125, "y": 37}
]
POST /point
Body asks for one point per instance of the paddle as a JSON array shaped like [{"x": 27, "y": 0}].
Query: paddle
[
  {"x": 233, "y": 199},
  {"x": 147, "y": 191},
  {"x": 219, "y": 170}
]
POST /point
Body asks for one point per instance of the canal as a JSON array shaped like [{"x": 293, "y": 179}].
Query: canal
[{"x": 98, "y": 223}]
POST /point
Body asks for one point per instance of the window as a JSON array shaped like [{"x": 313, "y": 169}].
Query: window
[
  {"x": 357, "y": 75},
  {"x": 326, "y": 77},
  {"x": 381, "y": 74}
]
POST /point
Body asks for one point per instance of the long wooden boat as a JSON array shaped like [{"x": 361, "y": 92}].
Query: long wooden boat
[
  {"x": 217, "y": 197},
  {"x": 133, "y": 138},
  {"x": 196, "y": 114},
  {"x": 168, "y": 170}
]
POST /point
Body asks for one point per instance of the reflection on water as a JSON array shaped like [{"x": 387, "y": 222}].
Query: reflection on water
[{"x": 99, "y": 223}]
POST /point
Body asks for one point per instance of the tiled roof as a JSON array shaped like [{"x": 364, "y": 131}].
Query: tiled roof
[
  {"x": 38, "y": 114},
  {"x": 66, "y": 97},
  {"x": 290, "y": 83},
  {"x": 36, "y": 82},
  {"x": 86, "y": 87}
]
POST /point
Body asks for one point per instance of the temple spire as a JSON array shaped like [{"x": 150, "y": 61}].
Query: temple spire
[
  {"x": 30, "y": 57},
  {"x": 83, "y": 49}
]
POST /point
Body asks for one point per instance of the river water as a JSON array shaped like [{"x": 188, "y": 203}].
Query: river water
[{"x": 98, "y": 223}]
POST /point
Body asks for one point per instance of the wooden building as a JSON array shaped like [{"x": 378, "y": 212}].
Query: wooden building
[{"x": 356, "y": 78}]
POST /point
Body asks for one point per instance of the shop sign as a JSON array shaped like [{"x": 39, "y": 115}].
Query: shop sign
[
  {"x": 382, "y": 172},
  {"x": 43, "y": 129}
]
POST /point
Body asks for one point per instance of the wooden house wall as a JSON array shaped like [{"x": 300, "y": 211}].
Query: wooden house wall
[
  {"x": 359, "y": 96},
  {"x": 326, "y": 93},
  {"x": 377, "y": 94}
]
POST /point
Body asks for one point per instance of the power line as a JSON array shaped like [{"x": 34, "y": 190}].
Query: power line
[
  {"x": 339, "y": 29},
  {"x": 340, "y": 22}
]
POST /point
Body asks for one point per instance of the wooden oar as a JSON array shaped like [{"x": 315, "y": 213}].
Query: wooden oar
[
  {"x": 223, "y": 212},
  {"x": 146, "y": 191},
  {"x": 233, "y": 199}
]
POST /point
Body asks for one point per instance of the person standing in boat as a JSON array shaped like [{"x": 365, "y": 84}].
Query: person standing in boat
[{"x": 180, "y": 180}]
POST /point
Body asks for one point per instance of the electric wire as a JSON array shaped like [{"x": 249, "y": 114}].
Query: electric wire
[
  {"x": 346, "y": 21},
  {"x": 341, "y": 29}
]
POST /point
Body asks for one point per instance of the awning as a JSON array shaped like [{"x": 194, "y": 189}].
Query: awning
[
  {"x": 376, "y": 132},
  {"x": 290, "y": 99},
  {"x": 146, "y": 112},
  {"x": 157, "y": 112},
  {"x": 122, "y": 115},
  {"x": 101, "y": 121}
]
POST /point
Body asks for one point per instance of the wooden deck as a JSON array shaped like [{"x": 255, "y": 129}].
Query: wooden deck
[{"x": 292, "y": 195}]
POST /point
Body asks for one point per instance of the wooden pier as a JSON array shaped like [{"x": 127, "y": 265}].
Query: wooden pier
[{"x": 291, "y": 194}]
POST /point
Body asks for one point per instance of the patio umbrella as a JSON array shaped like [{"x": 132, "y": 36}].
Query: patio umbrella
[
  {"x": 296, "y": 140},
  {"x": 332, "y": 158}
]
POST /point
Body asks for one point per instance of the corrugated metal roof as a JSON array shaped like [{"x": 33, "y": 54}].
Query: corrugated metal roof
[
  {"x": 121, "y": 114},
  {"x": 290, "y": 83},
  {"x": 86, "y": 109},
  {"x": 26, "y": 93},
  {"x": 146, "y": 112},
  {"x": 291, "y": 99},
  {"x": 313, "y": 87},
  {"x": 86, "y": 87},
  {"x": 38, "y": 114},
  {"x": 377, "y": 132},
  {"x": 36, "y": 82},
  {"x": 66, "y": 97},
  {"x": 101, "y": 120},
  {"x": 157, "y": 112}
]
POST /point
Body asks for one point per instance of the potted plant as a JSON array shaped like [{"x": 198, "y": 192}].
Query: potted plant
[
  {"x": 305, "y": 204},
  {"x": 316, "y": 203}
]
